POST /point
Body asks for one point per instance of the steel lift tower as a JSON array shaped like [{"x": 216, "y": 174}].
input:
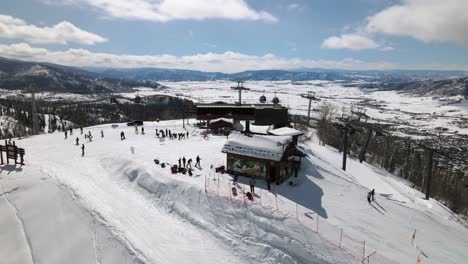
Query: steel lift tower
[
  {"x": 311, "y": 96},
  {"x": 240, "y": 87}
]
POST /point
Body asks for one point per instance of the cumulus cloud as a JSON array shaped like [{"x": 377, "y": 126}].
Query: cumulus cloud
[
  {"x": 61, "y": 33},
  {"x": 225, "y": 62},
  {"x": 349, "y": 41},
  {"x": 167, "y": 10},
  {"x": 425, "y": 20}
]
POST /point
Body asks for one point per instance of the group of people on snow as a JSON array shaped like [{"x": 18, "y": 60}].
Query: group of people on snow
[
  {"x": 184, "y": 163},
  {"x": 163, "y": 133}
]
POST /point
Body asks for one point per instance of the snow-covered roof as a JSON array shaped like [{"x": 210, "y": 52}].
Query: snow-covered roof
[
  {"x": 286, "y": 131},
  {"x": 262, "y": 147},
  {"x": 228, "y": 120},
  {"x": 260, "y": 129}
]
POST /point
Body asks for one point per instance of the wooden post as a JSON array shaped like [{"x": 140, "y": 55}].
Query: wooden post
[
  {"x": 297, "y": 215},
  {"x": 341, "y": 237},
  {"x": 317, "y": 222},
  {"x": 364, "y": 251},
  {"x": 429, "y": 155}
]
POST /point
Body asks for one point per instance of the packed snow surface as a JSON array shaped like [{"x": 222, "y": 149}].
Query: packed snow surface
[{"x": 116, "y": 205}]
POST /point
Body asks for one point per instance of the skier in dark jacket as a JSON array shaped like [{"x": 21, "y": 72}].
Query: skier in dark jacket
[
  {"x": 183, "y": 161},
  {"x": 369, "y": 195},
  {"x": 187, "y": 134},
  {"x": 82, "y": 150},
  {"x": 77, "y": 141},
  {"x": 71, "y": 131},
  {"x": 81, "y": 130},
  {"x": 66, "y": 134},
  {"x": 122, "y": 135},
  {"x": 252, "y": 185},
  {"x": 142, "y": 130},
  {"x": 102, "y": 133},
  {"x": 198, "y": 161},
  {"x": 189, "y": 163},
  {"x": 372, "y": 194},
  {"x": 180, "y": 162}
]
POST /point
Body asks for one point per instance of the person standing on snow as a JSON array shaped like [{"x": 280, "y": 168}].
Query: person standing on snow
[
  {"x": 372, "y": 194},
  {"x": 102, "y": 133},
  {"x": 369, "y": 195},
  {"x": 122, "y": 135},
  {"x": 183, "y": 161},
  {"x": 82, "y": 150},
  {"x": 77, "y": 141},
  {"x": 189, "y": 163},
  {"x": 252, "y": 185},
  {"x": 81, "y": 130},
  {"x": 142, "y": 130},
  {"x": 180, "y": 162},
  {"x": 198, "y": 161},
  {"x": 65, "y": 134}
]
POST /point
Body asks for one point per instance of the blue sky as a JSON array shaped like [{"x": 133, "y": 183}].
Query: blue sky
[{"x": 235, "y": 35}]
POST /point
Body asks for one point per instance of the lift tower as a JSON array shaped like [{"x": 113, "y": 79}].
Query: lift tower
[
  {"x": 311, "y": 96},
  {"x": 240, "y": 87}
]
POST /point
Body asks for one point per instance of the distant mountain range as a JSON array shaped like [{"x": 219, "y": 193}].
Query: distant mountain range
[
  {"x": 34, "y": 76},
  {"x": 24, "y": 75},
  {"x": 272, "y": 75}
]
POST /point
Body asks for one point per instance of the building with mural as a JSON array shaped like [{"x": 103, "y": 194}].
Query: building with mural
[{"x": 270, "y": 158}]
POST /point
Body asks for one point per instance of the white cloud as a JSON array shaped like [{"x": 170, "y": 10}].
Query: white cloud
[
  {"x": 295, "y": 7},
  {"x": 225, "y": 62},
  {"x": 349, "y": 41},
  {"x": 425, "y": 20},
  {"x": 167, "y": 10},
  {"x": 61, "y": 33}
]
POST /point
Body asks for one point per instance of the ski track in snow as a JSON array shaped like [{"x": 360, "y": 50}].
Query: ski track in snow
[{"x": 21, "y": 222}]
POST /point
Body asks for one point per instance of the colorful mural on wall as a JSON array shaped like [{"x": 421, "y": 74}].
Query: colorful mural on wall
[{"x": 245, "y": 166}]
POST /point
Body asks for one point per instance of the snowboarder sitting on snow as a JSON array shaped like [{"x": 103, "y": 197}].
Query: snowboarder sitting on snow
[{"x": 122, "y": 135}]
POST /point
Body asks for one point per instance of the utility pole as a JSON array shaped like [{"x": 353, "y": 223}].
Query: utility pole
[
  {"x": 240, "y": 87},
  {"x": 311, "y": 97},
  {"x": 35, "y": 128}
]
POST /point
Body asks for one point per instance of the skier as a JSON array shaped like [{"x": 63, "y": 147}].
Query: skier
[
  {"x": 369, "y": 195},
  {"x": 372, "y": 194},
  {"x": 122, "y": 135},
  {"x": 198, "y": 162},
  {"x": 77, "y": 141},
  {"x": 65, "y": 134},
  {"x": 189, "y": 163},
  {"x": 142, "y": 130},
  {"x": 180, "y": 160},
  {"x": 187, "y": 134},
  {"x": 71, "y": 131},
  {"x": 82, "y": 150},
  {"x": 183, "y": 161},
  {"x": 102, "y": 133},
  {"x": 136, "y": 129},
  {"x": 81, "y": 130},
  {"x": 89, "y": 136},
  {"x": 252, "y": 185}
]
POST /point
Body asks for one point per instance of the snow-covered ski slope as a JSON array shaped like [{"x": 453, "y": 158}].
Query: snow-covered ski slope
[{"x": 163, "y": 218}]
